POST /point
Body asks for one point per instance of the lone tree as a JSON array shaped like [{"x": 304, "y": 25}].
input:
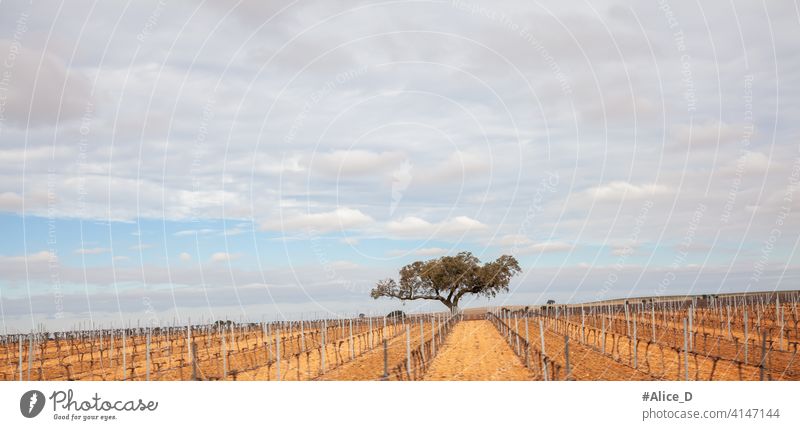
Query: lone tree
[{"x": 448, "y": 279}]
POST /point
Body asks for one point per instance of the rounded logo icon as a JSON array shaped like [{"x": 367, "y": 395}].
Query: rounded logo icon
[{"x": 31, "y": 403}]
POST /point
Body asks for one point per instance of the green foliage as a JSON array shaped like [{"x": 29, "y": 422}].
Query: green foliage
[{"x": 447, "y": 279}]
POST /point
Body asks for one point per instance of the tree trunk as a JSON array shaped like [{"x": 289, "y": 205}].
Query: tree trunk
[{"x": 453, "y": 307}]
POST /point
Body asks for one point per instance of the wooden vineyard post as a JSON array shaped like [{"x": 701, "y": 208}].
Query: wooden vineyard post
[
  {"x": 269, "y": 344},
  {"x": 371, "y": 337},
  {"x": 147, "y": 356},
  {"x": 442, "y": 321},
  {"x": 516, "y": 337},
  {"x": 30, "y": 354},
  {"x": 527, "y": 343},
  {"x": 189, "y": 350},
  {"x": 385, "y": 359},
  {"x": 224, "y": 353},
  {"x": 124, "y": 353},
  {"x": 527, "y": 339},
  {"x": 554, "y": 319},
  {"x": 322, "y": 350},
  {"x": 433, "y": 336},
  {"x": 19, "y": 342},
  {"x": 627, "y": 320},
  {"x": 758, "y": 318},
  {"x": 685, "y": 350},
  {"x": 278, "y": 352},
  {"x": 544, "y": 354},
  {"x": 635, "y": 344},
  {"x": 350, "y": 341},
  {"x": 193, "y": 354},
  {"x": 111, "y": 352},
  {"x": 603, "y": 335},
  {"x": 728, "y": 310},
  {"x": 566, "y": 357},
  {"x": 408, "y": 350},
  {"x": 780, "y": 344},
  {"x": 777, "y": 313},
  {"x": 101, "y": 350},
  {"x": 691, "y": 327},
  {"x": 302, "y": 336},
  {"x": 264, "y": 340},
  {"x": 422, "y": 337},
  {"x": 763, "y": 355},
  {"x": 653, "y": 320},
  {"x": 746, "y": 340},
  {"x": 506, "y": 328},
  {"x": 583, "y": 326}
]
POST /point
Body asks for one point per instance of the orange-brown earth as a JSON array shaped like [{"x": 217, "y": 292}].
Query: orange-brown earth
[{"x": 475, "y": 351}]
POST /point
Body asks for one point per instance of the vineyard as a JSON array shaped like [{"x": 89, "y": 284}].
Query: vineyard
[
  {"x": 709, "y": 338},
  {"x": 726, "y": 337}
]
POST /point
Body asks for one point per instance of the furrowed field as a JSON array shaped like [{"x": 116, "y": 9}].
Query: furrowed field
[{"x": 721, "y": 337}]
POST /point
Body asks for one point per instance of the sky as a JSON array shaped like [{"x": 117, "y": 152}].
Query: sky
[{"x": 249, "y": 160}]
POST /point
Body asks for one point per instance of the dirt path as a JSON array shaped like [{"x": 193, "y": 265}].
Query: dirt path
[{"x": 474, "y": 351}]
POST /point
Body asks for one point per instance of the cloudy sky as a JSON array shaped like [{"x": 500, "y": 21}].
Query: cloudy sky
[{"x": 261, "y": 159}]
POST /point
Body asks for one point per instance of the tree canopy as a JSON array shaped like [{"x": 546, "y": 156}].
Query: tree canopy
[{"x": 448, "y": 279}]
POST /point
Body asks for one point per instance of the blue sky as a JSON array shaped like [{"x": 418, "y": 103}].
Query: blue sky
[{"x": 179, "y": 160}]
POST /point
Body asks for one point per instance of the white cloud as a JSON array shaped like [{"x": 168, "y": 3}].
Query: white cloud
[
  {"x": 618, "y": 107},
  {"x": 620, "y": 190},
  {"x": 13, "y": 202},
  {"x": 707, "y": 135},
  {"x": 37, "y": 257},
  {"x": 623, "y": 247},
  {"x": 43, "y": 90},
  {"x": 92, "y": 251},
  {"x": 748, "y": 163},
  {"x": 185, "y": 256},
  {"x": 344, "y": 265},
  {"x": 237, "y": 229},
  {"x": 521, "y": 244},
  {"x": 355, "y": 162},
  {"x": 342, "y": 218},
  {"x": 199, "y": 232},
  {"x": 460, "y": 166},
  {"x": 417, "y": 227},
  {"x": 411, "y": 226},
  {"x": 622, "y": 251},
  {"x": 10, "y": 202},
  {"x": 514, "y": 240},
  {"x": 545, "y": 247},
  {"x": 459, "y": 114},
  {"x": 219, "y": 257}
]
